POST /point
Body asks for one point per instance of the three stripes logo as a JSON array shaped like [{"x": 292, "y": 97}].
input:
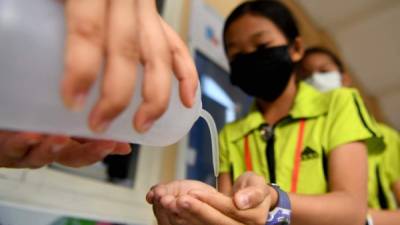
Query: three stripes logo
[{"x": 308, "y": 154}]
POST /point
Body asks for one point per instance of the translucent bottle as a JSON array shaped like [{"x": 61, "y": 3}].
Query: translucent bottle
[{"x": 31, "y": 64}]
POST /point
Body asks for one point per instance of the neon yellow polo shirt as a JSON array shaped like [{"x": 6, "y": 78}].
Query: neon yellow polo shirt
[
  {"x": 331, "y": 119},
  {"x": 385, "y": 171}
]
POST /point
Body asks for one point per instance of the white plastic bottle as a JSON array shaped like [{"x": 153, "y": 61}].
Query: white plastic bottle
[{"x": 31, "y": 64}]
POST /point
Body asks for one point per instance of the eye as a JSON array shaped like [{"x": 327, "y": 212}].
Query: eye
[
  {"x": 262, "y": 46},
  {"x": 234, "y": 56},
  {"x": 325, "y": 70}
]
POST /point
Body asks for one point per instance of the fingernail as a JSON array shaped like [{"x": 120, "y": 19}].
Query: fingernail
[
  {"x": 102, "y": 126},
  {"x": 244, "y": 202},
  {"x": 146, "y": 126}
]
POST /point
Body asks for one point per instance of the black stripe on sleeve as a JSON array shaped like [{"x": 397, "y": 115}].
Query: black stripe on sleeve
[
  {"x": 381, "y": 194},
  {"x": 361, "y": 116}
]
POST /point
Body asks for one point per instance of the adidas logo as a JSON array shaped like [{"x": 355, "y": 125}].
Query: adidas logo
[{"x": 308, "y": 154}]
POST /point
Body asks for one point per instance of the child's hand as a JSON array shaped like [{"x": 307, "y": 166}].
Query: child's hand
[{"x": 192, "y": 202}]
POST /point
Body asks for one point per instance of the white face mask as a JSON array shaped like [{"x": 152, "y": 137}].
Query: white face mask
[{"x": 325, "y": 81}]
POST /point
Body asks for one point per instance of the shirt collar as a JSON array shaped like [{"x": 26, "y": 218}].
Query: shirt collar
[{"x": 308, "y": 103}]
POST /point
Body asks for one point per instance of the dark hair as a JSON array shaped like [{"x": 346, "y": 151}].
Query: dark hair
[
  {"x": 273, "y": 10},
  {"x": 321, "y": 50}
]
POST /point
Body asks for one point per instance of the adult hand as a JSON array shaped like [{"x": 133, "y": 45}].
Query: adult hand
[
  {"x": 32, "y": 150},
  {"x": 121, "y": 34}
]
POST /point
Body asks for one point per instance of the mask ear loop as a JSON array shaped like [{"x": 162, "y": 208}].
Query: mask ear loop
[{"x": 214, "y": 142}]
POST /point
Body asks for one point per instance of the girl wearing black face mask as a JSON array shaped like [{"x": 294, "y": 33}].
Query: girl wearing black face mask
[{"x": 313, "y": 145}]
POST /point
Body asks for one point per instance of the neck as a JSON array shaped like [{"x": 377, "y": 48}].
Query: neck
[{"x": 280, "y": 108}]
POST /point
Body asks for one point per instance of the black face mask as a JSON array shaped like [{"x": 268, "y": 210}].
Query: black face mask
[{"x": 264, "y": 73}]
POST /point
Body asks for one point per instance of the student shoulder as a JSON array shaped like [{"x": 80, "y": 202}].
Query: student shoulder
[{"x": 343, "y": 96}]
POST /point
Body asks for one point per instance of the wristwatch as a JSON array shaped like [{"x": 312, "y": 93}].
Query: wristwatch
[{"x": 282, "y": 212}]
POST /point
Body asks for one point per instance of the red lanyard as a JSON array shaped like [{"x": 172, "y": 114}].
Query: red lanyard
[{"x": 297, "y": 156}]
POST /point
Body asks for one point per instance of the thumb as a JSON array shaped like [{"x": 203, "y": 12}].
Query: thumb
[{"x": 250, "y": 197}]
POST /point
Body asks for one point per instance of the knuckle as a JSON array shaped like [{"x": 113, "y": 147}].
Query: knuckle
[
  {"x": 159, "y": 191},
  {"x": 184, "y": 201},
  {"x": 160, "y": 103},
  {"x": 88, "y": 29},
  {"x": 125, "y": 47}
]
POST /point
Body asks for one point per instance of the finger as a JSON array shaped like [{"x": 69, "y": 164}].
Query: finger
[
  {"x": 122, "y": 149},
  {"x": 227, "y": 207},
  {"x": 166, "y": 200},
  {"x": 78, "y": 155},
  {"x": 160, "y": 212},
  {"x": 120, "y": 72},
  {"x": 161, "y": 215},
  {"x": 16, "y": 145},
  {"x": 173, "y": 212},
  {"x": 150, "y": 197},
  {"x": 248, "y": 179},
  {"x": 216, "y": 200},
  {"x": 183, "y": 66},
  {"x": 84, "y": 49},
  {"x": 196, "y": 212},
  {"x": 250, "y": 190},
  {"x": 250, "y": 197},
  {"x": 174, "y": 216},
  {"x": 45, "y": 153},
  {"x": 156, "y": 58},
  {"x": 183, "y": 187},
  {"x": 159, "y": 192}
]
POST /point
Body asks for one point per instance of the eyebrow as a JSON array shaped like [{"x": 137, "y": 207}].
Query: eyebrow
[
  {"x": 327, "y": 64},
  {"x": 253, "y": 37},
  {"x": 259, "y": 33}
]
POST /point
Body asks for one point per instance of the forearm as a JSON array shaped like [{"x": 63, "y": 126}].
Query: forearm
[
  {"x": 225, "y": 183},
  {"x": 396, "y": 191},
  {"x": 385, "y": 217},
  {"x": 328, "y": 209}
]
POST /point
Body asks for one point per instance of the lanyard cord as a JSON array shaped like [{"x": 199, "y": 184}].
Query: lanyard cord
[
  {"x": 271, "y": 156},
  {"x": 297, "y": 157}
]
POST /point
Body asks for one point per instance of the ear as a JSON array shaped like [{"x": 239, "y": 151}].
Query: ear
[
  {"x": 297, "y": 50},
  {"x": 346, "y": 80}
]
